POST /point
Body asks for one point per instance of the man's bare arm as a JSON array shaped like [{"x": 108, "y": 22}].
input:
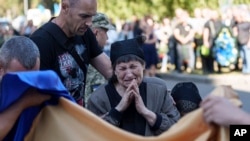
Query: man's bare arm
[
  {"x": 103, "y": 64},
  {"x": 9, "y": 116}
]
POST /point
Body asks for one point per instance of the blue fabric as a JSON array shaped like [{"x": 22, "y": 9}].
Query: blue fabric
[{"x": 14, "y": 85}]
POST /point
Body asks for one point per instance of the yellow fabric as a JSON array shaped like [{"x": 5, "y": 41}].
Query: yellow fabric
[{"x": 70, "y": 122}]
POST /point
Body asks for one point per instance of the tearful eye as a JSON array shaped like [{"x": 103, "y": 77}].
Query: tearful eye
[{"x": 122, "y": 69}]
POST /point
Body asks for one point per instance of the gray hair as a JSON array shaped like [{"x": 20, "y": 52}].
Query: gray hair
[{"x": 20, "y": 48}]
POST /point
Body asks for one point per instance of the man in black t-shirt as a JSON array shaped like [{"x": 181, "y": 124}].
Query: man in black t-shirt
[
  {"x": 210, "y": 31},
  {"x": 184, "y": 35},
  {"x": 242, "y": 33},
  {"x": 67, "y": 33}
]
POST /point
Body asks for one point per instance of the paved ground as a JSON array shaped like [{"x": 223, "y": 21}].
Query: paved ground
[
  {"x": 206, "y": 83},
  {"x": 237, "y": 80}
]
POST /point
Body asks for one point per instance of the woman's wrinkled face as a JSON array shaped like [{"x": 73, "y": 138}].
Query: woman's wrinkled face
[{"x": 126, "y": 72}]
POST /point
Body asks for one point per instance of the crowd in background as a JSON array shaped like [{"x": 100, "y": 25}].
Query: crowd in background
[
  {"x": 7, "y": 30},
  {"x": 178, "y": 41},
  {"x": 175, "y": 44},
  {"x": 68, "y": 48}
]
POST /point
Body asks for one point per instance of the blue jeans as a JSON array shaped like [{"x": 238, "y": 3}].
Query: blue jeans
[{"x": 246, "y": 59}]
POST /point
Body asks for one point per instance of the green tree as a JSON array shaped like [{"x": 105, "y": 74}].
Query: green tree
[
  {"x": 123, "y": 9},
  {"x": 10, "y": 7},
  {"x": 161, "y": 8},
  {"x": 241, "y": 1}
]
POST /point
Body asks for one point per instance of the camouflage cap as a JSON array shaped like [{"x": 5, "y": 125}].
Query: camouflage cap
[{"x": 101, "y": 20}]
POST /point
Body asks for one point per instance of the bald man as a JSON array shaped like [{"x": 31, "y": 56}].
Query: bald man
[{"x": 67, "y": 45}]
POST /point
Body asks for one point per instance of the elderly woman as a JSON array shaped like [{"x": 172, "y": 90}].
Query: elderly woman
[{"x": 130, "y": 101}]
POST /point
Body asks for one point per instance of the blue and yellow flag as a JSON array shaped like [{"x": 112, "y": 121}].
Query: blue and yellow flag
[
  {"x": 14, "y": 85},
  {"x": 67, "y": 121}
]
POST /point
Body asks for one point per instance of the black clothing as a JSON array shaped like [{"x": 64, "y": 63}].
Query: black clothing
[
  {"x": 130, "y": 120},
  {"x": 243, "y": 33},
  {"x": 54, "y": 56}
]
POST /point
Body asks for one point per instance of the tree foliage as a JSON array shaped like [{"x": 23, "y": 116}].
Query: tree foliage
[
  {"x": 125, "y": 9},
  {"x": 162, "y": 8},
  {"x": 10, "y": 7}
]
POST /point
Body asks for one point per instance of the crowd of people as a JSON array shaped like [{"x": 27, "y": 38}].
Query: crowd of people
[
  {"x": 216, "y": 39},
  {"x": 7, "y": 30},
  {"x": 133, "y": 99},
  {"x": 182, "y": 43}
]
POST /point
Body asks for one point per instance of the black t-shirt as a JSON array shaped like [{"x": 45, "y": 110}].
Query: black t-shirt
[
  {"x": 54, "y": 57},
  {"x": 214, "y": 28},
  {"x": 184, "y": 29},
  {"x": 243, "y": 32}
]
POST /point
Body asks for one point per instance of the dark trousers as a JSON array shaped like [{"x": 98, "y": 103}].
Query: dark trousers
[{"x": 207, "y": 64}]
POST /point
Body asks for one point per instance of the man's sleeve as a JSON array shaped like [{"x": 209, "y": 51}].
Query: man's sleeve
[{"x": 92, "y": 44}]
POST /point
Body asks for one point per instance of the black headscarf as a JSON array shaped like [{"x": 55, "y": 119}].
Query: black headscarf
[{"x": 186, "y": 96}]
